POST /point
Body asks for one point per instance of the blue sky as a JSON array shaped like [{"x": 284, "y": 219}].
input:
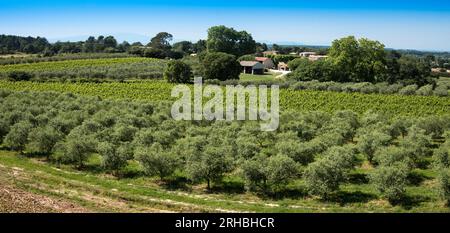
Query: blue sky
[{"x": 398, "y": 24}]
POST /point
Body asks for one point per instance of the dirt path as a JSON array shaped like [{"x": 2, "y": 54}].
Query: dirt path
[
  {"x": 282, "y": 73},
  {"x": 14, "y": 200}
]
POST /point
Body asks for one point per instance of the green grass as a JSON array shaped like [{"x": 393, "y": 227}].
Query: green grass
[
  {"x": 148, "y": 194},
  {"x": 155, "y": 91},
  {"x": 266, "y": 76}
]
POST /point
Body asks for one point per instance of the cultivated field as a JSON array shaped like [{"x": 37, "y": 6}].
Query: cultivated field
[{"x": 71, "y": 142}]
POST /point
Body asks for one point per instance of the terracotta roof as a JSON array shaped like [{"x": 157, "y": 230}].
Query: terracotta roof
[{"x": 262, "y": 58}]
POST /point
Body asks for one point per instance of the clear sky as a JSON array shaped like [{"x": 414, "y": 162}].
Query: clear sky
[{"x": 403, "y": 24}]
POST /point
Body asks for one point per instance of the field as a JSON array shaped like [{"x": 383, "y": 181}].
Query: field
[
  {"x": 394, "y": 105},
  {"x": 90, "y": 69},
  {"x": 70, "y": 142},
  {"x": 102, "y": 193},
  {"x": 266, "y": 76}
]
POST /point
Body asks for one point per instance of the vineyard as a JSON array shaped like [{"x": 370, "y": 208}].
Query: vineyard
[
  {"x": 154, "y": 91},
  {"x": 132, "y": 153},
  {"x": 90, "y": 69},
  {"x": 11, "y": 60}
]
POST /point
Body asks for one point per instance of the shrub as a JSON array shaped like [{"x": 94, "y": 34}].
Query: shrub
[
  {"x": 178, "y": 72},
  {"x": 19, "y": 76},
  {"x": 391, "y": 89},
  {"x": 426, "y": 90},
  {"x": 220, "y": 66},
  {"x": 440, "y": 91},
  {"x": 154, "y": 53},
  {"x": 408, "y": 90},
  {"x": 391, "y": 181},
  {"x": 298, "y": 62},
  {"x": 322, "y": 70}
]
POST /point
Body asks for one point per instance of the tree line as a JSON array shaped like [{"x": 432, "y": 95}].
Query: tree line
[
  {"x": 349, "y": 59},
  {"x": 363, "y": 60}
]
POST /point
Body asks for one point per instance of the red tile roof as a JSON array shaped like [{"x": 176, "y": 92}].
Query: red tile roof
[{"x": 262, "y": 58}]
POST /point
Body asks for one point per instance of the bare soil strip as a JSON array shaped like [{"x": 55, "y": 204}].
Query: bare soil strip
[{"x": 15, "y": 200}]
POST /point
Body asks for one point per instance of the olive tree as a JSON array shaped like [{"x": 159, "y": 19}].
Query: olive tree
[
  {"x": 43, "y": 139},
  {"x": 247, "y": 146},
  {"x": 441, "y": 156},
  {"x": 391, "y": 181},
  {"x": 371, "y": 141},
  {"x": 78, "y": 147},
  {"x": 114, "y": 157},
  {"x": 157, "y": 161},
  {"x": 302, "y": 153},
  {"x": 144, "y": 138},
  {"x": 418, "y": 143},
  {"x": 254, "y": 172},
  {"x": 4, "y": 129},
  {"x": 434, "y": 125},
  {"x": 17, "y": 137},
  {"x": 324, "y": 176},
  {"x": 210, "y": 165},
  {"x": 387, "y": 156},
  {"x": 444, "y": 185},
  {"x": 280, "y": 170}
]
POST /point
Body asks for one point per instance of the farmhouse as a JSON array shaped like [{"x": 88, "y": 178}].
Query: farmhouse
[
  {"x": 252, "y": 67},
  {"x": 307, "y": 54},
  {"x": 267, "y": 62},
  {"x": 439, "y": 70},
  {"x": 283, "y": 66},
  {"x": 316, "y": 57}
]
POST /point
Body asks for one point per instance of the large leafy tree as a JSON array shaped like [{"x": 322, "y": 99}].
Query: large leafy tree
[
  {"x": 184, "y": 47},
  {"x": 220, "y": 66},
  {"x": 228, "y": 40},
  {"x": 161, "y": 41},
  {"x": 177, "y": 72},
  {"x": 360, "y": 60}
]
